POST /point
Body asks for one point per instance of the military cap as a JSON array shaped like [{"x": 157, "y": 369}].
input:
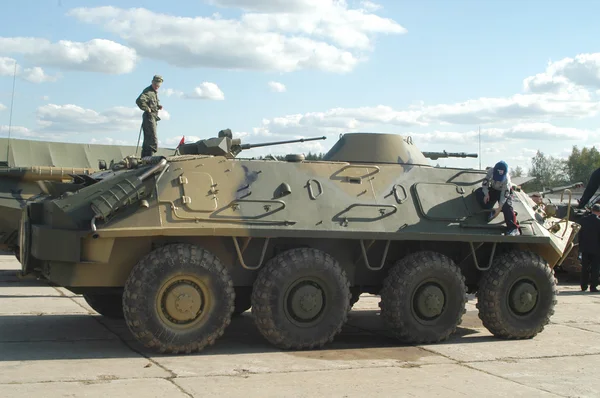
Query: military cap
[{"x": 157, "y": 78}]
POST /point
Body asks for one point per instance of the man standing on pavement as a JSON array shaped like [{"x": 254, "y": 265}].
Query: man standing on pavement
[
  {"x": 589, "y": 247},
  {"x": 149, "y": 103},
  {"x": 497, "y": 187}
]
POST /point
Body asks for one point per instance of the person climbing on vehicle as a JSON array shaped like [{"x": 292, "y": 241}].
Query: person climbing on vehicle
[
  {"x": 589, "y": 247},
  {"x": 590, "y": 189},
  {"x": 497, "y": 187}
]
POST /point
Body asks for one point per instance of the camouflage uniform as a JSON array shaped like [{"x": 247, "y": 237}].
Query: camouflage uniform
[{"x": 149, "y": 103}]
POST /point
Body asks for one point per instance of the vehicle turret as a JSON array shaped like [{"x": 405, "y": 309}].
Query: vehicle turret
[
  {"x": 376, "y": 148},
  {"x": 226, "y": 145}
]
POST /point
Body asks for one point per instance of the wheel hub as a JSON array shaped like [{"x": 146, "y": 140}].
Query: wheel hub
[
  {"x": 306, "y": 301},
  {"x": 182, "y": 302},
  {"x": 429, "y": 301},
  {"x": 523, "y": 297}
]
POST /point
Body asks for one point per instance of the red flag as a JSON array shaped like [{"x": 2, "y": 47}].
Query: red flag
[{"x": 181, "y": 142}]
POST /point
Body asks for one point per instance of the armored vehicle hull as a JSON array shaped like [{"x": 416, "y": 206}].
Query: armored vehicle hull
[
  {"x": 180, "y": 244},
  {"x": 30, "y": 162}
]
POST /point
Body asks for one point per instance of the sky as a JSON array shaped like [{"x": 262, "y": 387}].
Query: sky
[{"x": 525, "y": 74}]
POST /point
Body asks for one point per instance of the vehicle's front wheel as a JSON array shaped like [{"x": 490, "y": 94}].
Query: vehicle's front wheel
[
  {"x": 516, "y": 297},
  {"x": 179, "y": 298}
]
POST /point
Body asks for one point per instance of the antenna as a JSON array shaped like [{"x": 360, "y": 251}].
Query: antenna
[
  {"x": 479, "y": 148},
  {"x": 12, "y": 99}
]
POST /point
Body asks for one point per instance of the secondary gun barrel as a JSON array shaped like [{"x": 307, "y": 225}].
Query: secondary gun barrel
[
  {"x": 557, "y": 189},
  {"x": 444, "y": 154},
  {"x": 249, "y": 146}
]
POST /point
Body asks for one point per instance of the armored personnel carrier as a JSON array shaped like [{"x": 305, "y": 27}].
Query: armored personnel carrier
[{"x": 179, "y": 244}]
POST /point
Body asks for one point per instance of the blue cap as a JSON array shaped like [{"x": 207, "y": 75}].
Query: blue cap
[{"x": 500, "y": 171}]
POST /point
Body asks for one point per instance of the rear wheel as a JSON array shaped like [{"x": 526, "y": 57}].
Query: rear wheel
[
  {"x": 516, "y": 297},
  {"x": 423, "y": 298},
  {"x": 179, "y": 298},
  {"x": 108, "y": 305},
  {"x": 301, "y": 299}
]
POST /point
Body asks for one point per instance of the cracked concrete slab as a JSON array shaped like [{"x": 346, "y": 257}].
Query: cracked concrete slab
[
  {"x": 16, "y": 290},
  {"x": 575, "y": 376},
  {"x": 442, "y": 380},
  {"x": 35, "y": 362},
  {"x": 41, "y": 306},
  {"x": 555, "y": 340},
  {"x": 57, "y": 327},
  {"x": 147, "y": 388}
]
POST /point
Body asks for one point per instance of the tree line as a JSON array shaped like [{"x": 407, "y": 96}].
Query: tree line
[{"x": 550, "y": 171}]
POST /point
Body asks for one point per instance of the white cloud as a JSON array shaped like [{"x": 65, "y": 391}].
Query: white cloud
[
  {"x": 370, "y": 6},
  {"x": 97, "y": 55},
  {"x": 2, "y": 107},
  {"x": 33, "y": 75},
  {"x": 45, "y": 98},
  {"x": 567, "y": 74},
  {"x": 206, "y": 90},
  {"x": 277, "y": 87},
  {"x": 37, "y": 75},
  {"x": 73, "y": 119},
  {"x": 518, "y": 132},
  {"x": 277, "y": 38}
]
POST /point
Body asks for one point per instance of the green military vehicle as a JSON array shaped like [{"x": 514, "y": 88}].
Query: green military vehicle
[{"x": 177, "y": 245}]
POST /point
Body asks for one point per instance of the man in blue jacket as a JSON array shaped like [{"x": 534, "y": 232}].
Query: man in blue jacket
[
  {"x": 497, "y": 187},
  {"x": 589, "y": 247}
]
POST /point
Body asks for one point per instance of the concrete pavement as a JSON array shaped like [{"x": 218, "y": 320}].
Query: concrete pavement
[{"x": 53, "y": 345}]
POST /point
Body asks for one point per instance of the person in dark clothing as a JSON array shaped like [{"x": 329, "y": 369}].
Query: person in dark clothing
[
  {"x": 497, "y": 187},
  {"x": 591, "y": 189},
  {"x": 589, "y": 247}
]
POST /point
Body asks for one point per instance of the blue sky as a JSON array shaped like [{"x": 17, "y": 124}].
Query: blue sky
[{"x": 434, "y": 70}]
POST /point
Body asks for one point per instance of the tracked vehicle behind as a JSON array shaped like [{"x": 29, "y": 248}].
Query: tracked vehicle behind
[{"x": 179, "y": 244}]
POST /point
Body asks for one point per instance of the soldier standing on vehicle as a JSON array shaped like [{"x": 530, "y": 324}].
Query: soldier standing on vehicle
[
  {"x": 589, "y": 247},
  {"x": 149, "y": 103}
]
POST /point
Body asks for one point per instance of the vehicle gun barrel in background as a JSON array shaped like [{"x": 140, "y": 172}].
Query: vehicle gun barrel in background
[
  {"x": 444, "y": 154},
  {"x": 250, "y": 146},
  {"x": 559, "y": 189}
]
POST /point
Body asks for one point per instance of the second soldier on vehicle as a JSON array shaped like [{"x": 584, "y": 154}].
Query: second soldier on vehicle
[{"x": 148, "y": 102}]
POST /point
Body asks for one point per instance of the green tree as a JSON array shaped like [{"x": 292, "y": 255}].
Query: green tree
[
  {"x": 517, "y": 172},
  {"x": 548, "y": 171},
  {"x": 581, "y": 163}
]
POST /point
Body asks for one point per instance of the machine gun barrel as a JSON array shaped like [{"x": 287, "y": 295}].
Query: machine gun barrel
[
  {"x": 558, "y": 189},
  {"x": 444, "y": 154},
  {"x": 250, "y": 146}
]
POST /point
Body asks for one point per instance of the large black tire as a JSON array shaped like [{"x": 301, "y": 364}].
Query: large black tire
[
  {"x": 108, "y": 305},
  {"x": 497, "y": 309},
  {"x": 423, "y": 298},
  {"x": 301, "y": 282},
  {"x": 170, "y": 284}
]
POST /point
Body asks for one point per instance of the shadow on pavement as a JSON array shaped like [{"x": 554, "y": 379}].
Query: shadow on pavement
[{"x": 48, "y": 337}]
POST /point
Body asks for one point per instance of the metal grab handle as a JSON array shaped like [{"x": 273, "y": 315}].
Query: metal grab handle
[
  {"x": 395, "y": 191},
  {"x": 310, "y": 190}
]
